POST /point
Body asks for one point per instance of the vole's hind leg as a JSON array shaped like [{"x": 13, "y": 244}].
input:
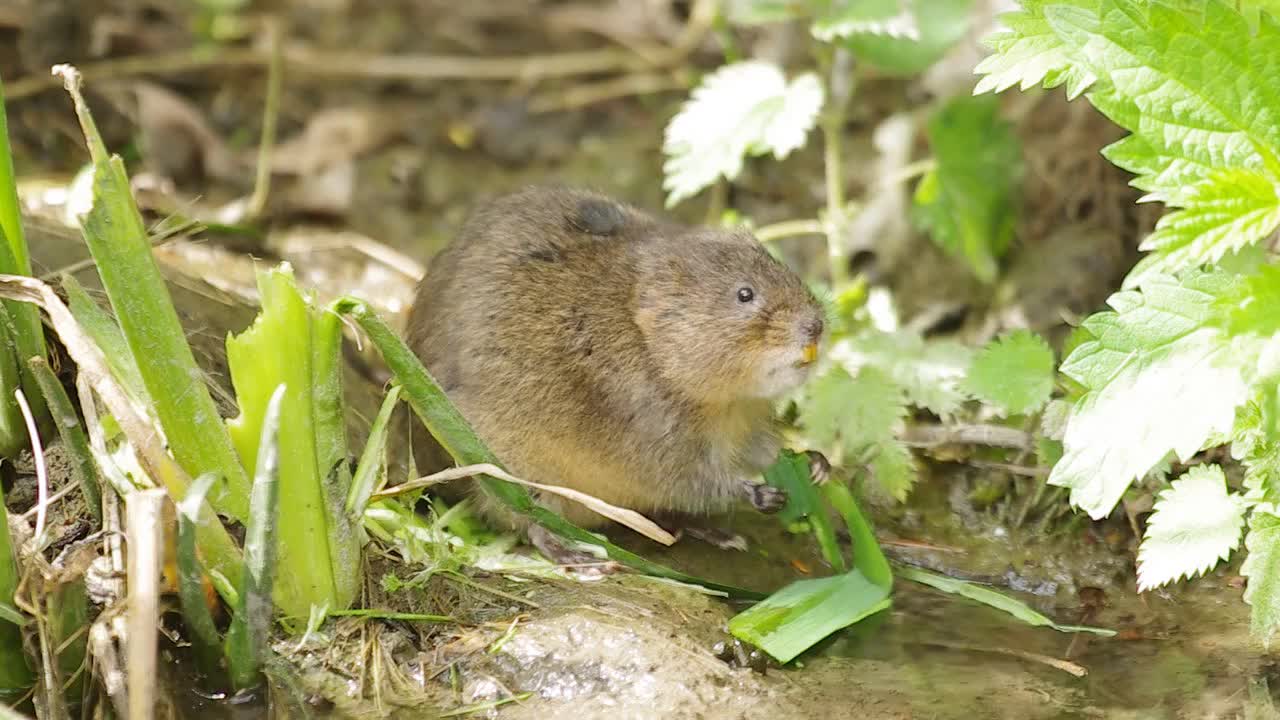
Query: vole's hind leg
[
  {"x": 559, "y": 553},
  {"x": 685, "y": 526},
  {"x": 765, "y": 498}
]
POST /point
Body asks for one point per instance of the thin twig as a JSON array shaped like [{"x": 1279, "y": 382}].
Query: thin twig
[
  {"x": 630, "y": 518},
  {"x": 790, "y": 228},
  {"x": 1064, "y": 665},
  {"x": 581, "y": 96},
  {"x": 988, "y": 435},
  {"x": 1026, "y": 470},
  {"x": 328, "y": 63},
  {"x": 42, "y": 473}
]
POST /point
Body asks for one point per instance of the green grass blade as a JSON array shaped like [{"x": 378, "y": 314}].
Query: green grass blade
[
  {"x": 868, "y": 558},
  {"x": 15, "y": 674},
  {"x": 72, "y": 434},
  {"x": 804, "y": 503},
  {"x": 28, "y": 335},
  {"x": 250, "y": 632},
  {"x": 372, "y": 460},
  {"x": 68, "y": 616},
  {"x": 993, "y": 599},
  {"x": 277, "y": 350},
  {"x": 796, "y": 617},
  {"x": 195, "y": 612},
  {"x": 455, "y": 435},
  {"x": 104, "y": 331},
  {"x": 117, "y": 239},
  {"x": 13, "y": 431}
]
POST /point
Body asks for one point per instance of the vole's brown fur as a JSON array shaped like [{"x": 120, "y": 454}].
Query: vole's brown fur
[{"x": 594, "y": 346}]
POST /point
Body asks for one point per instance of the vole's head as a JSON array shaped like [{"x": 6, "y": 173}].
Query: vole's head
[{"x": 722, "y": 318}]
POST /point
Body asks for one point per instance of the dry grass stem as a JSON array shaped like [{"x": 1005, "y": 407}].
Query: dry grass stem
[
  {"x": 42, "y": 472},
  {"x": 145, "y": 530},
  {"x": 622, "y": 516}
]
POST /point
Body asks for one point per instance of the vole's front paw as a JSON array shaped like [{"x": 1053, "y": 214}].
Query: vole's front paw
[
  {"x": 765, "y": 498},
  {"x": 819, "y": 467}
]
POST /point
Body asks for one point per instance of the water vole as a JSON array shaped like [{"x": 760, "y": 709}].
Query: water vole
[{"x": 595, "y": 346}]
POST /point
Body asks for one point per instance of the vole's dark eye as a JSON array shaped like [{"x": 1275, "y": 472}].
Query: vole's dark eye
[{"x": 746, "y": 295}]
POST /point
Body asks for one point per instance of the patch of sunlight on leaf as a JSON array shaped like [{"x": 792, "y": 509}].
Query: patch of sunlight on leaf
[
  {"x": 992, "y": 599},
  {"x": 930, "y": 372},
  {"x": 1028, "y": 53},
  {"x": 1159, "y": 378},
  {"x": 968, "y": 201},
  {"x": 1014, "y": 373},
  {"x": 743, "y": 109},
  {"x": 1196, "y": 524},
  {"x": 1262, "y": 569},
  {"x": 846, "y": 18}
]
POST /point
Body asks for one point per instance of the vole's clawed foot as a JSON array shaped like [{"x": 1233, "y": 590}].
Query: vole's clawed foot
[
  {"x": 819, "y": 467},
  {"x": 557, "y": 552},
  {"x": 765, "y": 498},
  {"x": 716, "y": 537}
]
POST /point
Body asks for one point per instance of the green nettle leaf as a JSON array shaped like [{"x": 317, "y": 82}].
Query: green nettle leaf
[
  {"x": 1225, "y": 213},
  {"x": 1194, "y": 84},
  {"x": 930, "y": 372},
  {"x": 1014, "y": 373},
  {"x": 1262, "y": 568},
  {"x": 861, "y": 415},
  {"x": 967, "y": 202},
  {"x": 938, "y": 25},
  {"x": 1159, "y": 378},
  {"x": 846, "y": 18},
  {"x": 1196, "y": 524},
  {"x": 1028, "y": 53},
  {"x": 743, "y": 109}
]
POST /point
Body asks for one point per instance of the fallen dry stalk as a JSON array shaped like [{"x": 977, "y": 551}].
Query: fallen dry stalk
[
  {"x": 623, "y": 516},
  {"x": 144, "y": 526}
]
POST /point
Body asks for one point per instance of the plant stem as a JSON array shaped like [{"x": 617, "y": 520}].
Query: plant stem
[
  {"x": 790, "y": 228},
  {"x": 837, "y": 68},
  {"x": 262, "y": 183}
]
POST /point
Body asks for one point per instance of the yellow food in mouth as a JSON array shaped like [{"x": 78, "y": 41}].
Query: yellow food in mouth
[{"x": 810, "y": 353}]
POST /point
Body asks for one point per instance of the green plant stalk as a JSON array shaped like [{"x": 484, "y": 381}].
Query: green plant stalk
[
  {"x": 28, "y": 334},
  {"x": 195, "y": 612},
  {"x": 277, "y": 351},
  {"x": 456, "y": 436},
  {"x": 839, "y": 86},
  {"x": 71, "y": 432},
  {"x": 15, "y": 674},
  {"x": 344, "y": 529},
  {"x": 117, "y": 239},
  {"x": 250, "y": 632}
]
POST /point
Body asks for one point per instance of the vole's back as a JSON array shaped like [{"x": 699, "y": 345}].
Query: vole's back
[{"x": 527, "y": 320}]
